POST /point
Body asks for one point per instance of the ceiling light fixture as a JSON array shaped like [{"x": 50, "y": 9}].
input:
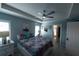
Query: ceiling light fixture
[{"x": 43, "y": 17}]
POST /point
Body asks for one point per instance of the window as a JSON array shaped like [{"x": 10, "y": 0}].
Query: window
[
  {"x": 37, "y": 30},
  {"x": 4, "y": 27}
]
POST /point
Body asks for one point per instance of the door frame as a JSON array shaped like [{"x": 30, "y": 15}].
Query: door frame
[{"x": 60, "y": 33}]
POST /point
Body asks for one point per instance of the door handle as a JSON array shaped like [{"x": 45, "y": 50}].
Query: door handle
[{"x": 67, "y": 39}]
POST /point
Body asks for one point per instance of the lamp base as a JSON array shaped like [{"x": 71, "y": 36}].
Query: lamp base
[{"x": 4, "y": 40}]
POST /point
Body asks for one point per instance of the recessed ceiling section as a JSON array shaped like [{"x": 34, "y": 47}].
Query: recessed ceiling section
[
  {"x": 35, "y": 10},
  {"x": 30, "y": 8},
  {"x": 61, "y": 9},
  {"x": 75, "y": 11},
  {"x": 18, "y": 11}
]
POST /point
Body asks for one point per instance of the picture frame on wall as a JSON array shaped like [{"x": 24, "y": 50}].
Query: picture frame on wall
[{"x": 45, "y": 29}]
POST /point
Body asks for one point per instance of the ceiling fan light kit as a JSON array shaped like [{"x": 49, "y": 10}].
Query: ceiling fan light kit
[{"x": 43, "y": 17}]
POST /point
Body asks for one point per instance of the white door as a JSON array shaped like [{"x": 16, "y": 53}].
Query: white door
[{"x": 72, "y": 44}]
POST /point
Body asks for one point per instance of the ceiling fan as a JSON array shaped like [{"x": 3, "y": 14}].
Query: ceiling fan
[{"x": 47, "y": 15}]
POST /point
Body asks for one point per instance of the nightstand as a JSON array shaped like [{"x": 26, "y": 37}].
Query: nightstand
[{"x": 7, "y": 49}]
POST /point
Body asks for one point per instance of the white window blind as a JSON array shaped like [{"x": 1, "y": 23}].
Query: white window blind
[{"x": 4, "y": 26}]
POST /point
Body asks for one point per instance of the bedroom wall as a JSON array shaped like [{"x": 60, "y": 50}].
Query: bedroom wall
[
  {"x": 64, "y": 29},
  {"x": 49, "y": 34},
  {"x": 17, "y": 24}
]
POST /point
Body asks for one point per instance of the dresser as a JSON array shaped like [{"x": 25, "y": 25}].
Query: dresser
[{"x": 7, "y": 49}]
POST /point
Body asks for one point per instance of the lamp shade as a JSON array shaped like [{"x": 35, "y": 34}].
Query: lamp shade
[{"x": 4, "y": 34}]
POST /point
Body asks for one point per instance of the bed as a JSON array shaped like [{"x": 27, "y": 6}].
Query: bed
[{"x": 35, "y": 46}]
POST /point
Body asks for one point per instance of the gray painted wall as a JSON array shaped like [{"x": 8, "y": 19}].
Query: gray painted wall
[
  {"x": 17, "y": 24},
  {"x": 50, "y": 29}
]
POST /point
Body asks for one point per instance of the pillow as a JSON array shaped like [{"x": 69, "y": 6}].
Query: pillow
[
  {"x": 23, "y": 41},
  {"x": 26, "y": 35}
]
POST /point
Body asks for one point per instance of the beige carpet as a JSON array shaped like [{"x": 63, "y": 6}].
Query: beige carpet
[{"x": 55, "y": 51}]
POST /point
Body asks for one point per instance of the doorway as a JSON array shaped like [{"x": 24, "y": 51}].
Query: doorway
[{"x": 56, "y": 35}]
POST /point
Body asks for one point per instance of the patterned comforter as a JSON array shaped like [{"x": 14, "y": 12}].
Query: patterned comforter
[{"x": 34, "y": 44}]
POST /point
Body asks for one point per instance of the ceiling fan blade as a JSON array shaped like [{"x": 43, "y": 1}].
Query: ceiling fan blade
[
  {"x": 49, "y": 16},
  {"x": 51, "y": 12},
  {"x": 48, "y": 20}
]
